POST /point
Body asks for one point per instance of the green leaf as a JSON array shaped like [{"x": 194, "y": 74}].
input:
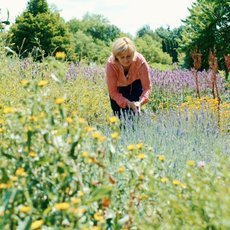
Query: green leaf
[{"x": 99, "y": 193}]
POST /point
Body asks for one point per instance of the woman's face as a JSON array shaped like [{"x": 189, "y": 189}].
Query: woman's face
[{"x": 125, "y": 58}]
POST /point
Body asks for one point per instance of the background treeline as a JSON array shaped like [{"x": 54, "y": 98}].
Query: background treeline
[{"x": 40, "y": 32}]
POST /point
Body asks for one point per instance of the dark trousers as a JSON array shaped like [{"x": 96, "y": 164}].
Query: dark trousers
[{"x": 132, "y": 92}]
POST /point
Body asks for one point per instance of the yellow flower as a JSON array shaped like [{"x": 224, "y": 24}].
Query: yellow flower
[
  {"x": 141, "y": 156},
  {"x": 131, "y": 147},
  {"x": 1, "y": 130},
  {"x": 24, "y": 83},
  {"x": 88, "y": 129},
  {"x": 141, "y": 177},
  {"x": 115, "y": 135},
  {"x": 69, "y": 120},
  {"x": 8, "y": 110},
  {"x": 33, "y": 118},
  {"x": 143, "y": 197},
  {"x": 14, "y": 178},
  {"x": 59, "y": 101},
  {"x": 81, "y": 120},
  {"x": 81, "y": 211},
  {"x": 32, "y": 154},
  {"x": 182, "y": 185},
  {"x": 62, "y": 206},
  {"x": 113, "y": 119},
  {"x": 80, "y": 193},
  {"x": 60, "y": 55},
  {"x": 96, "y": 135},
  {"x": 42, "y": 83},
  {"x": 25, "y": 209},
  {"x": 20, "y": 172},
  {"x": 102, "y": 138},
  {"x": 139, "y": 146},
  {"x": 4, "y": 186},
  {"x": 161, "y": 158},
  {"x": 164, "y": 180},
  {"x": 98, "y": 216},
  {"x": 76, "y": 200},
  {"x": 121, "y": 169},
  {"x": 176, "y": 182},
  {"x": 36, "y": 224},
  {"x": 96, "y": 228},
  {"x": 191, "y": 163},
  {"x": 84, "y": 154}
]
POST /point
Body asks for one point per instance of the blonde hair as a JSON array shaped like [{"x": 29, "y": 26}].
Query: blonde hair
[{"x": 121, "y": 45}]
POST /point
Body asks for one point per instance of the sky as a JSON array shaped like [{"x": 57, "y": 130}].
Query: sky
[{"x": 128, "y": 15}]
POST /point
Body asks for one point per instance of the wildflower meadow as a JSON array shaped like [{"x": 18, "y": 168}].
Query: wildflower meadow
[{"x": 68, "y": 163}]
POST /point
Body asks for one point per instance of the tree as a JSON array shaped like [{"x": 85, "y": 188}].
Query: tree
[
  {"x": 170, "y": 41},
  {"x": 98, "y": 27},
  {"x": 152, "y": 50},
  {"x": 40, "y": 32},
  {"x": 207, "y": 29},
  {"x": 92, "y": 37}
]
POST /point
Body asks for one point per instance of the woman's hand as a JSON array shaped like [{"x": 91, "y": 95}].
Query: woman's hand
[
  {"x": 135, "y": 106},
  {"x": 138, "y": 106}
]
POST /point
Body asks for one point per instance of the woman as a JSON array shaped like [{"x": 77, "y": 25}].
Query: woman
[{"x": 127, "y": 78}]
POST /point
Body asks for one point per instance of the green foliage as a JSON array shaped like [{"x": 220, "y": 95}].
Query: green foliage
[
  {"x": 36, "y": 7},
  {"x": 59, "y": 171},
  {"x": 152, "y": 50},
  {"x": 170, "y": 41},
  {"x": 92, "y": 38},
  {"x": 207, "y": 28},
  {"x": 39, "y": 32}
]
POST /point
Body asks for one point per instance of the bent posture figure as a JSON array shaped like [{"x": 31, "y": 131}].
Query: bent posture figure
[{"x": 127, "y": 78}]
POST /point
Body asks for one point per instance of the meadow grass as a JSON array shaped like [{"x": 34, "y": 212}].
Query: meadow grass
[{"x": 66, "y": 162}]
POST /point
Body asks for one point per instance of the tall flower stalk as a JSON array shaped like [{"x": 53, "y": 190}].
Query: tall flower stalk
[{"x": 197, "y": 58}]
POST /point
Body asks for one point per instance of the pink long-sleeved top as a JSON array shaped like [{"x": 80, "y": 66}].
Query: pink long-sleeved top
[{"x": 115, "y": 78}]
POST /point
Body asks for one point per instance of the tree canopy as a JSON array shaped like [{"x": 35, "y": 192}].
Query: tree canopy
[
  {"x": 40, "y": 32},
  {"x": 207, "y": 29}
]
